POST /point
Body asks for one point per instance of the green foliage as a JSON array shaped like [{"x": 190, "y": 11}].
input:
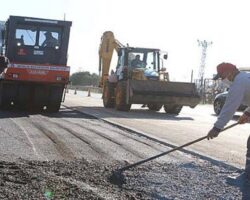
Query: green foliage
[{"x": 84, "y": 79}]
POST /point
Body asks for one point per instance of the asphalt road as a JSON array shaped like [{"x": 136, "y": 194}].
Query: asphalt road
[
  {"x": 229, "y": 147},
  {"x": 71, "y": 154}
]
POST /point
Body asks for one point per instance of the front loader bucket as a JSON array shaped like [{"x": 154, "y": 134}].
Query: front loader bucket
[{"x": 162, "y": 92}]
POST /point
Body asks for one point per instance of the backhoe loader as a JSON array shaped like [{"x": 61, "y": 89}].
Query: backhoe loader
[{"x": 140, "y": 78}]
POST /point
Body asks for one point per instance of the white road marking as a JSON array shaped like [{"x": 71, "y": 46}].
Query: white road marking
[{"x": 29, "y": 139}]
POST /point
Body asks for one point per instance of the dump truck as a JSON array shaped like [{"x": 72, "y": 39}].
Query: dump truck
[
  {"x": 33, "y": 63},
  {"x": 140, "y": 78}
]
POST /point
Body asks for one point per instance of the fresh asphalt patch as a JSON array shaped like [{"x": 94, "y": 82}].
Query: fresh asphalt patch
[{"x": 80, "y": 179}]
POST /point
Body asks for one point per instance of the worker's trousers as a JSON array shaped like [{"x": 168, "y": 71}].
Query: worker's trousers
[{"x": 248, "y": 159}]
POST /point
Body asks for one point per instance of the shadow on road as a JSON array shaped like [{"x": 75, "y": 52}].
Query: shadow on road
[
  {"x": 102, "y": 112},
  {"x": 96, "y": 112},
  {"x": 245, "y": 192},
  {"x": 63, "y": 113},
  {"x": 13, "y": 114},
  {"x": 235, "y": 117}
]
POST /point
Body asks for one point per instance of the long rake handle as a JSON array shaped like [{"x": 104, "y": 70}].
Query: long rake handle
[{"x": 174, "y": 149}]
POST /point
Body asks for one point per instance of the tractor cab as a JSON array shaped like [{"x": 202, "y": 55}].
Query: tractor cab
[
  {"x": 36, "y": 41},
  {"x": 140, "y": 63}
]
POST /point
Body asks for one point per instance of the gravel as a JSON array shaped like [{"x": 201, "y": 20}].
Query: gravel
[{"x": 80, "y": 179}]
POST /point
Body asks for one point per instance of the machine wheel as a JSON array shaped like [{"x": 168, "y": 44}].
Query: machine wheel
[
  {"x": 23, "y": 97},
  {"x": 108, "y": 95},
  {"x": 172, "y": 109},
  {"x": 8, "y": 95},
  {"x": 120, "y": 97},
  {"x": 154, "y": 107},
  {"x": 55, "y": 98},
  {"x": 52, "y": 108},
  {"x": 218, "y": 104}
]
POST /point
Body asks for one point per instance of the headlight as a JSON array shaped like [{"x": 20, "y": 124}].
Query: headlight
[
  {"x": 15, "y": 75},
  {"x": 58, "y": 78}
]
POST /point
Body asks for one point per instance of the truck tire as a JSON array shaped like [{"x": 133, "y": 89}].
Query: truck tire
[
  {"x": 23, "y": 97},
  {"x": 55, "y": 98},
  {"x": 218, "y": 104},
  {"x": 108, "y": 95},
  {"x": 172, "y": 109},
  {"x": 154, "y": 107},
  {"x": 120, "y": 97},
  {"x": 8, "y": 95},
  {"x": 53, "y": 108}
]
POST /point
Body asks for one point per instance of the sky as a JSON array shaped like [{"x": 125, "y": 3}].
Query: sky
[{"x": 171, "y": 25}]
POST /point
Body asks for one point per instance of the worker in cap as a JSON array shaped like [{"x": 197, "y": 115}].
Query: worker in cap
[{"x": 239, "y": 93}]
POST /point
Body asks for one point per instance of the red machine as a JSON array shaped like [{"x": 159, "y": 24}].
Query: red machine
[{"x": 33, "y": 63}]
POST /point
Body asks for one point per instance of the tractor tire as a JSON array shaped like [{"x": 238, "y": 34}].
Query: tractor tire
[
  {"x": 172, "y": 109},
  {"x": 108, "y": 95},
  {"x": 154, "y": 107},
  {"x": 120, "y": 97}
]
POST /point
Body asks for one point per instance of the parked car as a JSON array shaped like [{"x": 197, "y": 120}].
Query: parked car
[
  {"x": 219, "y": 101},
  {"x": 220, "y": 98}
]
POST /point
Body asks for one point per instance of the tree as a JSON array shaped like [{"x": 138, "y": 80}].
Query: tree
[{"x": 84, "y": 79}]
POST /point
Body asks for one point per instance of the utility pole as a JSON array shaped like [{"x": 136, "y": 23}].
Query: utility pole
[
  {"x": 204, "y": 45},
  {"x": 192, "y": 75}
]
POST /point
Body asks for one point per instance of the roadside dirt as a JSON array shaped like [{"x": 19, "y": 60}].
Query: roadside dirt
[{"x": 80, "y": 179}]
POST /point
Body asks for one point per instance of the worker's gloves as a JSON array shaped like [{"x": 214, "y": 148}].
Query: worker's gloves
[
  {"x": 244, "y": 118},
  {"x": 214, "y": 132}
]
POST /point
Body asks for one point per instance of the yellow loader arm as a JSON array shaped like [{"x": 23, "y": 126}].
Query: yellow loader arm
[{"x": 106, "y": 49}]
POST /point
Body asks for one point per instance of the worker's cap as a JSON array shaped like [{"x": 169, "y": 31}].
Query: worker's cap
[{"x": 224, "y": 68}]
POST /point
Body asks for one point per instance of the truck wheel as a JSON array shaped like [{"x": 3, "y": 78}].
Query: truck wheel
[
  {"x": 55, "y": 98},
  {"x": 154, "y": 107},
  {"x": 218, "y": 104},
  {"x": 120, "y": 97},
  {"x": 108, "y": 95},
  {"x": 172, "y": 109},
  {"x": 53, "y": 108},
  {"x": 7, "y": 95}
]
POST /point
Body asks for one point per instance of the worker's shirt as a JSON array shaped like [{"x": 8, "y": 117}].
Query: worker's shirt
[{"x": 239, "y": 93}]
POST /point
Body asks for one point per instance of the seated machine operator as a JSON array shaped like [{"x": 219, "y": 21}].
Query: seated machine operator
[
  {"x": 137, "y": 62},
  {"x": 50, "y": 41}
]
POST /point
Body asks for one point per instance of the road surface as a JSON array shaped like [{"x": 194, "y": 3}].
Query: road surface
[
  {"x": 72, "y": 154},
  {"x": 229, "y": 147}
]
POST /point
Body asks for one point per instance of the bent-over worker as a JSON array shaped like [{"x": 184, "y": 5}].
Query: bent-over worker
[{"x": 239, "y": 92}]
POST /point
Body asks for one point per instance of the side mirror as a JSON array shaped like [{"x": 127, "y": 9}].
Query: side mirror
[{"x": 165, "y": 56}]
